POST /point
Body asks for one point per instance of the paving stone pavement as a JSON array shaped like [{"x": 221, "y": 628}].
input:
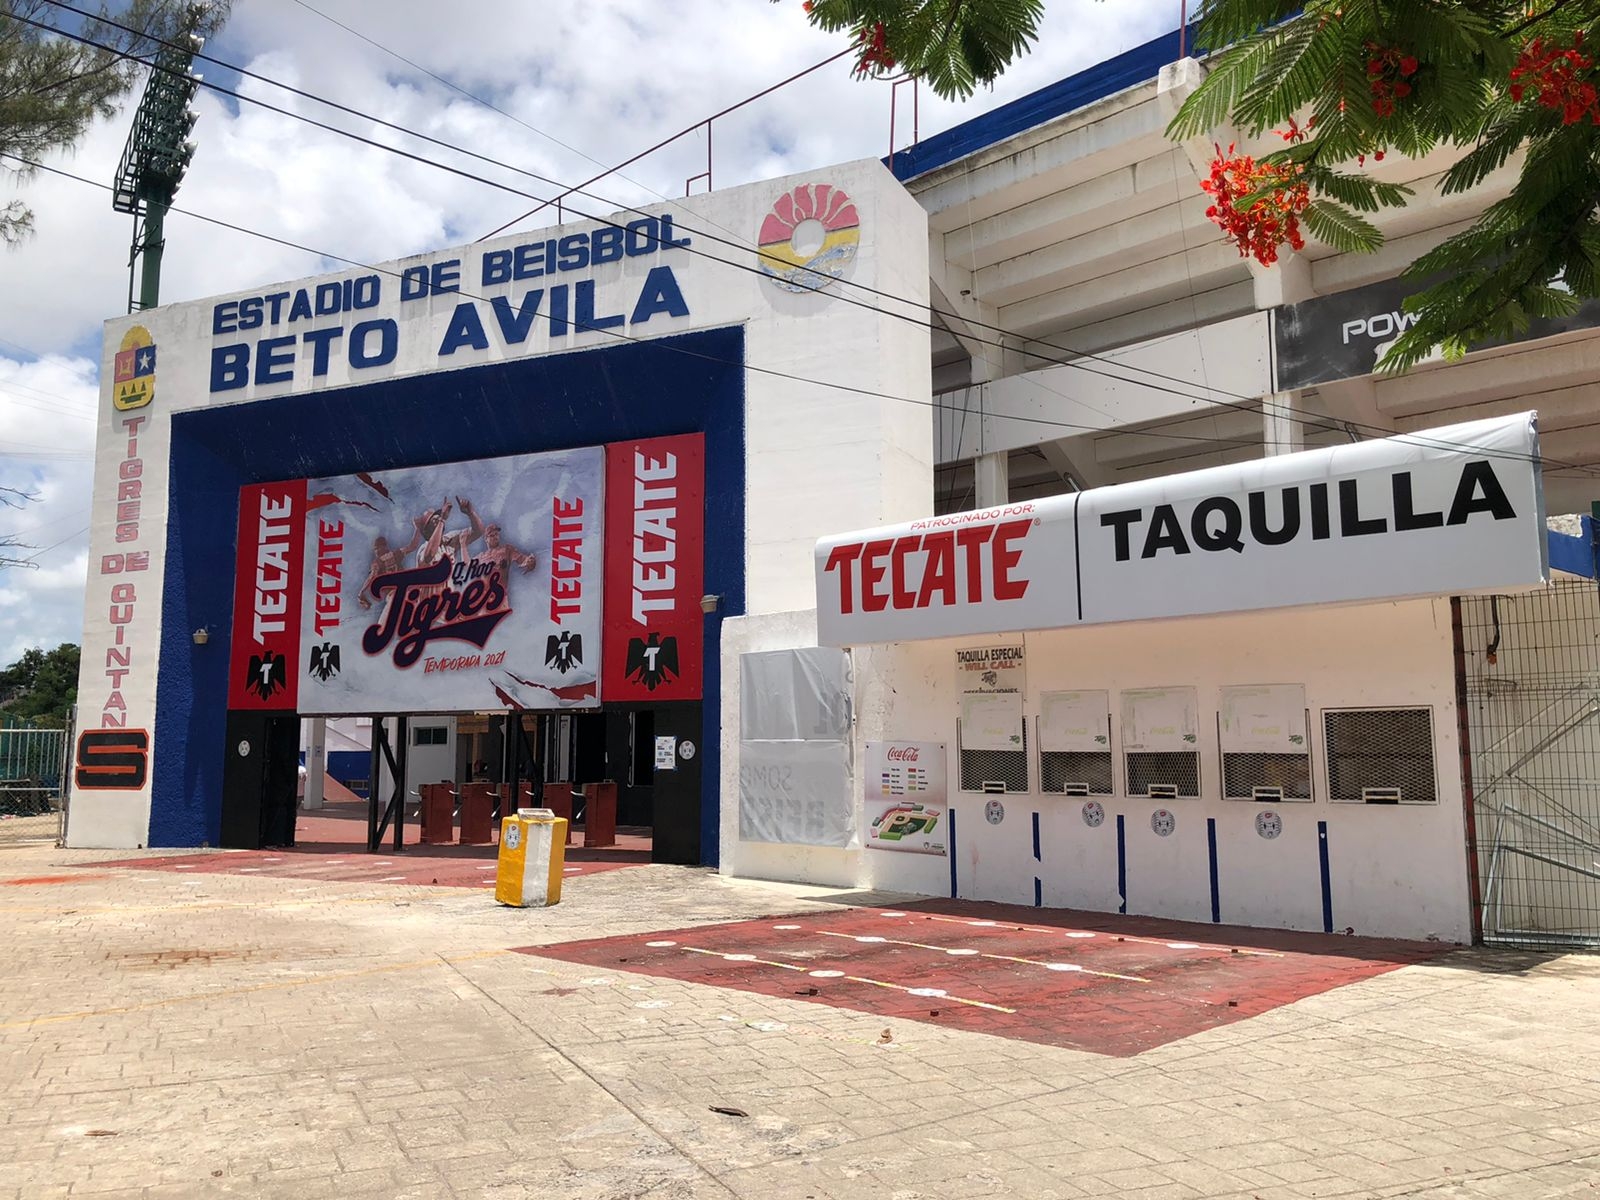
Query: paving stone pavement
[{"x": 166, "y": 1035}]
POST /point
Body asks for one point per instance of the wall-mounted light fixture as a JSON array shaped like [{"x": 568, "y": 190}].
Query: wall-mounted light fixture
[
  {"x": 201, "y": 636},
  {"x": 708, "y": 603}
]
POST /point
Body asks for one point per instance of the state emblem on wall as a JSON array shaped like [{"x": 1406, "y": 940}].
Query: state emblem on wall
[
  {"x": 134, "y": 370},
  {"x": 809, "y": 238}
]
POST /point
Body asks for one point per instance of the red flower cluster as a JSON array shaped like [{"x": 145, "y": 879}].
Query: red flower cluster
[
  {"x": 1259, "y": 229},
  {"x": 1388, "y": 68},
  {"x": 875, "y": 55},
  {"x": 1562, "y": 76}
]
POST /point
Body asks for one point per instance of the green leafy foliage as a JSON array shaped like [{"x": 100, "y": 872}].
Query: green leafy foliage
[
  {"x": 1367, "y": 77},
  {"x": 52, "y": 89},
  {"x": 952, "y": 45},
  {"x": 41, "y": 684}
]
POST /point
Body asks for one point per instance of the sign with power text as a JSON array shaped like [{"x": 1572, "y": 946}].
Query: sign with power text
[
  {"x": 1435, "y": 513},
  {"x": 655, "y": 574}
]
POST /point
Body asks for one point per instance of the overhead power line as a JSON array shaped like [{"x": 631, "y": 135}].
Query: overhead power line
[
  {"x": 771, "y": 372},
  {"x": 1141, "y": 376}
]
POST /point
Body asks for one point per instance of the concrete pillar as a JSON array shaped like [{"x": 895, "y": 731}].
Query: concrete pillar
[
  {"x": 316, "y": 763},
  {"x": 992, "y": 479},
  {"x": 1282, "y": 423}
]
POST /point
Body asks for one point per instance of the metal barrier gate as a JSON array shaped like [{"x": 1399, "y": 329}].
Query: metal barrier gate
[
  {"x": 1529, "y": 676},
  {"x": 33, "y": 783}
]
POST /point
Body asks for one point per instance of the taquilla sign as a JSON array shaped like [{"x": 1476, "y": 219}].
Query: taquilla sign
[{"x": 1452, "y": 510}]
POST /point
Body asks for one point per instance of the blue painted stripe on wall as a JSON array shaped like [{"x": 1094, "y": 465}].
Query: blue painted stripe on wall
[
  {"x": 1036, "y": 856},
  {"x": 1122, "y": 864},
  {"x": 1327, "y": 881},
  {"x": 1211, "y": 846},
  {"x": 951, "y": 813},
  {"x": 1126, "y": 70},
  {"x": 1038, "y": 892}
]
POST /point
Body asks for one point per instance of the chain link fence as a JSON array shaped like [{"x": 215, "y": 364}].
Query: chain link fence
[
  {"x": 1531, "y": 686},
  {"x": 34, "y": 784}
]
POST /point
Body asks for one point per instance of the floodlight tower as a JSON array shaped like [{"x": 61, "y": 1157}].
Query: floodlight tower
[{"x": 156, "y": 156}]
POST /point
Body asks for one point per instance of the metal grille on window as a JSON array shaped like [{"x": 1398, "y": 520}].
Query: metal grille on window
[
  {"x": 1529, "y": 683},
  {"x": 1161, "y": 742},
  {"x": 1075, "y": 772},
  {"x": 994, "y": 770},
  {"x": 1164, "y": 774},
  {"x": 1264, "y": 737},
  {"x": 1073, "y": 733},
  {"x": 1266, "y": 777},
  {"x": 1380, "y": 755}
]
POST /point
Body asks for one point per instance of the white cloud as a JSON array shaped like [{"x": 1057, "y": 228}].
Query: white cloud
[{"x": 599, "y": 81}]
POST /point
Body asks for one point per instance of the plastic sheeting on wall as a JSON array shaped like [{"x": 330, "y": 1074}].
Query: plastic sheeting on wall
[
  {"x": 797, "y": 793},
  {"x": 794, "y": 695},
  {"x": 795, "y": 782}
]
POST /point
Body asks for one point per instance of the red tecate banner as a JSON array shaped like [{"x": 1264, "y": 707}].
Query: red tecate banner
[
  {"x": 262, "y": 664},
  {"x": 655, "y": 569}
]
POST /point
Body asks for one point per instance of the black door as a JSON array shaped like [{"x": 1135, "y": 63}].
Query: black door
[
  {"x": 259, "y": 780},
  {"x": 676, "y": 827}
]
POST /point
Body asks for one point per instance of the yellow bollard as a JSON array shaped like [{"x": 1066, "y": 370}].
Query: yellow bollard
[{"x": 533, "y": 851}]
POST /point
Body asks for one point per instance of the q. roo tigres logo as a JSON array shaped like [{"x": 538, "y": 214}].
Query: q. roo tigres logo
[{"x": 112, "y": 759}]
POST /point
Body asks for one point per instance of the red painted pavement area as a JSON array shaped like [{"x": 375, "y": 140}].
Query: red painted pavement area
[
  {"x": 340, "y": 863},
  {"x": 1109, "y": 985},
  {"x": 339, "y": 854}
]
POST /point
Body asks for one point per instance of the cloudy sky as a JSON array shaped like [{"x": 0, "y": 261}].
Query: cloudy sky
[{"x": 579, "y": 87}]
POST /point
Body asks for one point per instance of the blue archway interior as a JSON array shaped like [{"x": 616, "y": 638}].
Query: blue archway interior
[{"x": 686, "y": 384}]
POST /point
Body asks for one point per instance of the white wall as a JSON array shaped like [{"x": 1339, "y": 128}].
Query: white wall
[
  {"x": 837, "y": 389},
  {"x": 824, "y": 865},
  {"x": 1395, "y": 871}
]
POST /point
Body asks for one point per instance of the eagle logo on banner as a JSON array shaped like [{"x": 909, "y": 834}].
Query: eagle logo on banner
[
  {"x": 564, "y": 652},
  {"x": 324, "y": 661},
  {"x": 267, "y": 673},
  {"x": 652, "y": 662}
]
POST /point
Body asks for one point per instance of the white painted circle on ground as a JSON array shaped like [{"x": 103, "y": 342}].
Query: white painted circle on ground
[
  {"x": 596, "y": 981},
  {"x": 660, "y": 945},
  {"x": 1079, "y": 933},
  {"x": 928, "y": 992},
  {"x": 1183, "y": 945},
  {"x": 984, "y": 924},
  {"x": 1062, "y": 967},
  {"x": 869, "y": 938},
  {"x": 786, "y": 927},
  {"x": 739, "y": 957},
  {"x": 767, "y": 1026},
  {"x": 892, "y": 914},
  {"x": 186, "y": 866},
  {"x": 959, "y": 953},
  {"x": 826, "y": 974}
]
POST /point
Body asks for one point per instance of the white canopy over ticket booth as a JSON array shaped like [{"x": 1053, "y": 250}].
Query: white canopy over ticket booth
[{"x": 1260, "y": 728}]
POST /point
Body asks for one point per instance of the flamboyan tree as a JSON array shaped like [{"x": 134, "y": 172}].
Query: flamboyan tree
[
  {"x": 951, "y": 45},
  {"x": 1344, "y": 83}
]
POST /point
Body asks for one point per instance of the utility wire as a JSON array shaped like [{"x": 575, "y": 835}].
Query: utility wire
[
  {"x": 768, "y": 371},
  {"x": 614, "y": 334},
  {"x": 1249, "y": 404}
]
